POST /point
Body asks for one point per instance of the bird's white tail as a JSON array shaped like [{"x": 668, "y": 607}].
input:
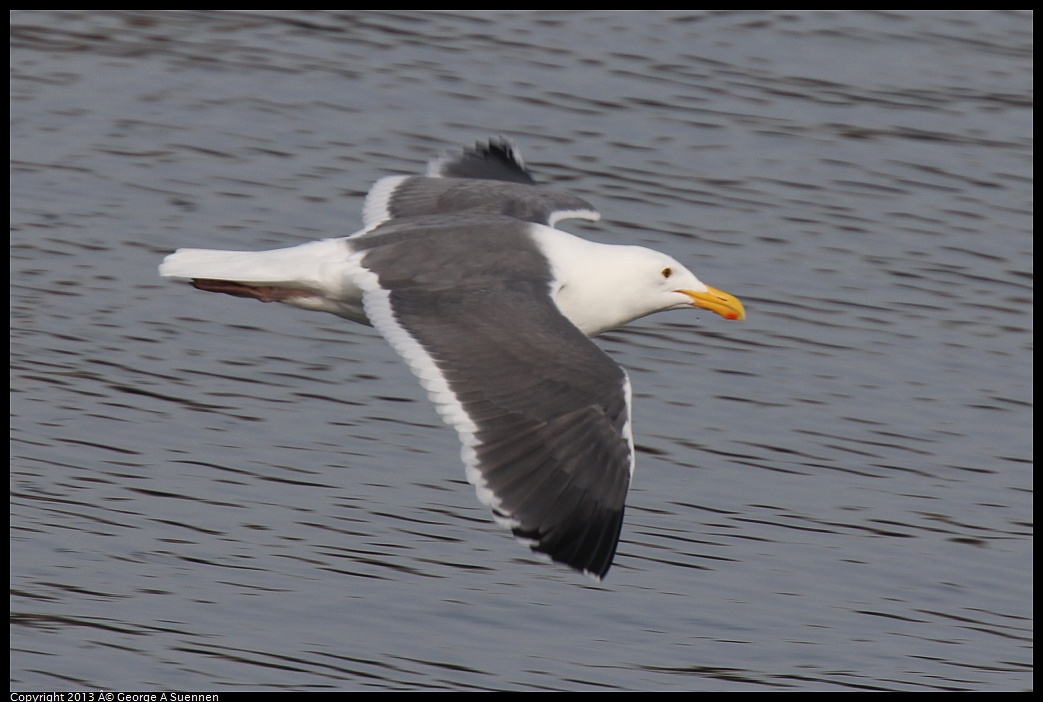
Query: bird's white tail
[
  {"x": 306, "y": 265},
  {"x": 310, "y": 276}
]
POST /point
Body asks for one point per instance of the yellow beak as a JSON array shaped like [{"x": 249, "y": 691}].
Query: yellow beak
[{"x": 724, "y": 304}]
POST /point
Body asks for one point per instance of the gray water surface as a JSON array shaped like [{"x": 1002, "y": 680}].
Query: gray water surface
[{"x": 211, "y": 493}]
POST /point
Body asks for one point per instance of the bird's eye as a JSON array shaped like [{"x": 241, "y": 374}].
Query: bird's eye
[{"x": 667, "y": 272}]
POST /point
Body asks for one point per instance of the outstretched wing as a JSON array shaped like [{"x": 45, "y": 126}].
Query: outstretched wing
[
  {"x": 489, "y": 179},
  {"x": 542, "y": 412}
]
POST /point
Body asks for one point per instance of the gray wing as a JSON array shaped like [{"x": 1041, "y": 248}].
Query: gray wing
[
  {"x": 489, "y": 179},
  {"x": 542, "y": 411}
]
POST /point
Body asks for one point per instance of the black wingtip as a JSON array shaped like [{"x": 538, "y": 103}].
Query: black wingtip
[
  {"x": 496, "y": 159},
  {"x": 589, "y": 548}
]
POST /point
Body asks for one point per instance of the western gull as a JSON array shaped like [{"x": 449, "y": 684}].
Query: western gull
[{"x": 464, "y": 273}]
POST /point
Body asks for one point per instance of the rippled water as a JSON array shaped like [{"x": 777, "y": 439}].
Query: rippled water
[{"x": 211, "y": 493}]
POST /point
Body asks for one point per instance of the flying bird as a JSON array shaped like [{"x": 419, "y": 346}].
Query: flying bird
[{"x": 463, "y": 271}]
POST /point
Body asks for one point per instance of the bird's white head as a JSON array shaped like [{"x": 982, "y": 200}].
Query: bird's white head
[
  {"x": 609, "y": 286},
  {"x": 662, "y": 283},
  {"x": 678, "y": 287}
]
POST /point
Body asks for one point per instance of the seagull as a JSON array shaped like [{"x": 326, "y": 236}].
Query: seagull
[{"x": 465, "y": 273}]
